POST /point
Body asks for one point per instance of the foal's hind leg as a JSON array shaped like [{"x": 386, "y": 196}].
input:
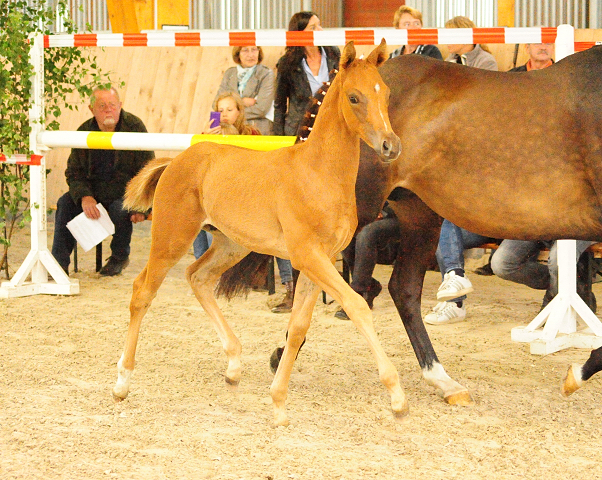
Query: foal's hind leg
[
  {"x": 306, "y": 294},
  {"x": 321, "y": 271},
  {"x": 203, "y": 276},
  {"x": 164, "y": 254}
]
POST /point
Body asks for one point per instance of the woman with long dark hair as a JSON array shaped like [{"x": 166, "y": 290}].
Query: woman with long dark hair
[{"x": 301, "y": 72}]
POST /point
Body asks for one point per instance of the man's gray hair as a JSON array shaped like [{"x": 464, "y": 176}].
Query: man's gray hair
[{"x": 102, "y": 88}]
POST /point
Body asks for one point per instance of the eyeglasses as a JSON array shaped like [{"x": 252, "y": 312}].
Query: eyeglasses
[{"x": 249, "y": 50}]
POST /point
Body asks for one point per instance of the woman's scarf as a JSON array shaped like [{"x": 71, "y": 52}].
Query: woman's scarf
[{"x": 243, "y": 77}]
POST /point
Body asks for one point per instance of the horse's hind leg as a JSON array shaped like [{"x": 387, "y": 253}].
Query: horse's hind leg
[
  {"x": 203, "y": 276},
  {"x": 321, "y": 271},
  {"x": 577, "y": 374},
  {"x": 306, "y": 294}
]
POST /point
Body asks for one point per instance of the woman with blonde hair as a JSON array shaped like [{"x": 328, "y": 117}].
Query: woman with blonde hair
[
  {"x": 232, "y": 122},
  {"x": 232, "y": 117},
  {"x": 472, "y": 55},
  {"x": 409, "y": 18}
]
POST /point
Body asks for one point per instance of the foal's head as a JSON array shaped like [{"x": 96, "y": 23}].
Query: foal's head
[{"x": 365, "y": 100}]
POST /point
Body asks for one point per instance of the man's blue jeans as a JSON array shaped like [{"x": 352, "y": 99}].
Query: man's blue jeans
[
  {"x": 64, "y": 243},
  {"x": 453, "y": 240},
  {"x": 201, "y": 243}
]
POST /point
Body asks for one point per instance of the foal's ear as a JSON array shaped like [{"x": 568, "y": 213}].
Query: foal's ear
[
  {"x": 348, "y": 56},
  {"x": 379, "y": 54}
]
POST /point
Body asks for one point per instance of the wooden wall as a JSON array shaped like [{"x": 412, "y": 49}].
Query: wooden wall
[
  {"x": 376, "y": 13},
  {"x": 171, "y": 89}
]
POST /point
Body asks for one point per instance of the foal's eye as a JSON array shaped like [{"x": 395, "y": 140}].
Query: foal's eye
[{"x": 354, "y": 99}]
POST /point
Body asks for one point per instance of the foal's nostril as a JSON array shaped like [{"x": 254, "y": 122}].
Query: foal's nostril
[{"x": 386, "y": 148}]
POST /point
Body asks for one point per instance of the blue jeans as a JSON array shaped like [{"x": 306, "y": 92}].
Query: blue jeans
[
  {"x": 453, "y": 240},
  {"x": 201, "y": 243},
  {"x": 516, "y": 260},
  {"x": 286, "y": 270},
  {"x": 64, "y": 243}
]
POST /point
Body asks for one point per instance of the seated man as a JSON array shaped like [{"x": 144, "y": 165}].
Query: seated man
[
  {"x": 100, "y": 176},
  {"x": 517, "y": 261},
  {"x": 377, "y": 242}
]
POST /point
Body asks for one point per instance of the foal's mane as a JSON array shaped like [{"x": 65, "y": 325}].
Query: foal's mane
[{"x": 307, "y": 123}]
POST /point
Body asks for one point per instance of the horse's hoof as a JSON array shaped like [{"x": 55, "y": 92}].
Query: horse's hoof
[
  {"x": 275, "y": 359},
  {"x": 570, "y": 384},
  {"x": 463, "y": 399},
  {"x": 232, "y": 382}
]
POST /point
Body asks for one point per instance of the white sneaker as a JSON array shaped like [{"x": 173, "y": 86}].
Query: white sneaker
[
  {"x": 445, "y": 312},
  {"x": 453, "y": 286}
]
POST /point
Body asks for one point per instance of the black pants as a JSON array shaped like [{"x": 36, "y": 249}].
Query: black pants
[
  {"x": 376, "y": 243},
  {"x": 64, "y": 243}
]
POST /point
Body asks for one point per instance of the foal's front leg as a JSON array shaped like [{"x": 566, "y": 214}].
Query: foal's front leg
[{"x": 321, "y": 271}]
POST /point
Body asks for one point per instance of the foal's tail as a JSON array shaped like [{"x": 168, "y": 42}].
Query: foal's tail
[{"x": 141, "y": 189}]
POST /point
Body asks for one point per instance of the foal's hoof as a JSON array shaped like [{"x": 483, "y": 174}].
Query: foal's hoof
[
  {"x": 403, "y": 412},
  {"x": 462, "y": 399},
  {"x": 119, "y": 396},
  {"x": 275, "y": 359},
  {"x": 570, "y": 384},
  {"x": 232, "y": 382}
]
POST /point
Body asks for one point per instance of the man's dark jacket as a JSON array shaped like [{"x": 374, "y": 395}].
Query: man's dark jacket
[{"x": 80, "y": 172}]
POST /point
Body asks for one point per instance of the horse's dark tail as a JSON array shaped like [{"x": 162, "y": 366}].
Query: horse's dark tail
[{"x": 239, "y": 279}]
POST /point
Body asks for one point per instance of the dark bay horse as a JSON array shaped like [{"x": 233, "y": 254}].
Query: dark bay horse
[
  {"x": 506, "y": 155},
  {"x": 295, "y": 202}
]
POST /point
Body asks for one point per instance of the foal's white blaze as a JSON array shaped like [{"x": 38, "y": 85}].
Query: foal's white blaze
[{"x": 377, "y": 89}]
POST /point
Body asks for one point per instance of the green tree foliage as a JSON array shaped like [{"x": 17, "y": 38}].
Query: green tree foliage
[{"x": 67, "y": 70}]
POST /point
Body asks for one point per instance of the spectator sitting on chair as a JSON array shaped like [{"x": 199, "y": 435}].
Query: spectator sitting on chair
[
  {"x": 377, "y": 242},
  {"x": 453, "y": 240},
  {"x": 100, "y": 176},
  {"x": 233, "y": 122},
  {"x": 540, "y": 56},
  {"x": 408, "y": 18},
  {"x": 517, "y": 261}
]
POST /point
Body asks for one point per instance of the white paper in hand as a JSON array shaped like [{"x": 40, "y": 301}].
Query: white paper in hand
[{"x": 88, "y": 232}]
